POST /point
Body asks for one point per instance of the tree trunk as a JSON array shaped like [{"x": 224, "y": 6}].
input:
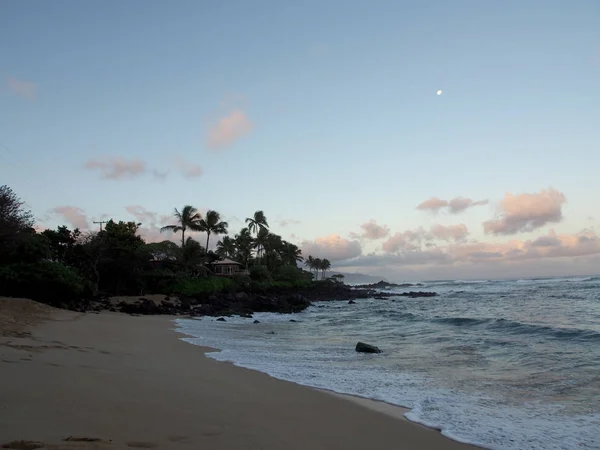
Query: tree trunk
[
  {"x": 207, "y": 238},
  {"x": 182, "y": 238}
]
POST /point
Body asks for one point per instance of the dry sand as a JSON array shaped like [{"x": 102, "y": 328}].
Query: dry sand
[{"x": 110, "y": 381}]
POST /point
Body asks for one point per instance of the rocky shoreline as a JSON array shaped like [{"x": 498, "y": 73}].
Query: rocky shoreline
[{"x": 241, "y": 303}]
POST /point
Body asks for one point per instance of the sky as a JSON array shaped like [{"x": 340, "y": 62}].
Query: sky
[{"x": 323, "y": 114}]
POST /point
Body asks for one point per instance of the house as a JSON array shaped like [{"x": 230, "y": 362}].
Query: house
[{"x": 228, "y": 268}]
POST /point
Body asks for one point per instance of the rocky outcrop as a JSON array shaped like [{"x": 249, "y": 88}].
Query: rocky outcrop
[
  {"x": 242, "y": 303},
  {"x": 385, "y": 285},
  {"x": 418, "y": 294},
  {"x": 361, "y": 347}
]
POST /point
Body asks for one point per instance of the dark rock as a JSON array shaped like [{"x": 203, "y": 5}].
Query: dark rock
[
  {"x": 366, "y": 348},
  {"x": 418, "y": 294},
  {"x": 271, "y": 332},
  {"x": 292, "y": 320},
  {"x": 221, "y": 319},
  {"x": 256, "y": 321},
  {"x": 351, "y": 302},
  {"x": 246, "y": 316}
]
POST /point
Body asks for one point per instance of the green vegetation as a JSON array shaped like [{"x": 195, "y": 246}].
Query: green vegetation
[{"x": 64, "y": 265}]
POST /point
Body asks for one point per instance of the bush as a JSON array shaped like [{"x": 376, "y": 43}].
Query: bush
[
  {"x": 45, "y": 281},
  {"x": 260, "y": 274},
  {"x": 289, "y": 276},
  {"x": 192, "y": 287}
]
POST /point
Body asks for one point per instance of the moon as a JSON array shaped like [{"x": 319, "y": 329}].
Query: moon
[{"x": 439, "y": 92}]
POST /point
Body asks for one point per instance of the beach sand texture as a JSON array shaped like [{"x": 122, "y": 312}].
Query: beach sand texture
[{"x": 112, "y": 381}]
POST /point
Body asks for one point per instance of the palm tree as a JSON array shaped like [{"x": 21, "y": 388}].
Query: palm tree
[
  {"x": 243, "y": 244},
  {"x": 291, "y": 254},
  {"x": 261, "y": 241},
  {"x": 257, "y": 222},
  {"x": 211, "y": 224},
  {"x": 317, "y": 264},
  {"x": 325, "y": 266},
  {"x": 226, "y": 248},
  {"x": 310, "y": 263},
  {"x": 188, "y": 218}
]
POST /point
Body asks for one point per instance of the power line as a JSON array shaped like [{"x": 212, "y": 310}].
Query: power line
[{"x": 100, "y": 222}]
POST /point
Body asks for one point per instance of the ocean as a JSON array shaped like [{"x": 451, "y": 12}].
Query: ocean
[{"x": 511, "y": 364}]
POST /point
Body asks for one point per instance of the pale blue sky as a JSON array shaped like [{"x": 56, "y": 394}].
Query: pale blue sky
[{"x": 346, "y": 123}]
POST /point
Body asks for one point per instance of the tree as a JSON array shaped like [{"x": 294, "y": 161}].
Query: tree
[
  {"x": 212, "y": 224},
  {"x": 291, "y": 254},
  {"x": 261, "y": 241},
  {"x": 244, "y": 243},
  {"x": 257, "y": 222},
  {"x": 16, "y": 223},
  {"x": 226, "y": 248},
  {"x": 188, "y": 218},
  {"x": 338, "y": 278},
  {"x": 13, "y": 216},
  {"x": 122, "y": 256},
  {"x": 62, "y": 243},
  {"x": 310, "y": 263},
  {"x": 325, "y": 266}
]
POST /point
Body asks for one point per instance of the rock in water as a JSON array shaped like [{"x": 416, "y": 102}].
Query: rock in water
[
  {"x": 221, "y": 319},
  {"x": 366, "y": 348}
]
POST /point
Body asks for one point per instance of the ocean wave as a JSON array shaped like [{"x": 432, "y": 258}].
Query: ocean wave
[{"x": 513, "y": 327}]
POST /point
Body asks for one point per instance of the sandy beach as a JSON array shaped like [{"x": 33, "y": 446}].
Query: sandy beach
[{"x": 109, "y": 380}]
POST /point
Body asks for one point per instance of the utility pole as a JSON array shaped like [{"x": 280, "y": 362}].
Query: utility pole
[{"x": 101, "y": 222}]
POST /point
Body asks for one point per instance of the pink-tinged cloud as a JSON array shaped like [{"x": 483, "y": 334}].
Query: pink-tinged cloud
[
  {"x": 187, "y": 169},
  {"x": 527, "y": 212},
  {"x": 449, "y": 233},
  {"x": 433, "y": 204},
  {"x": 152, "y": 222},
  {"x": 75, "y": 216},
  {"x": 229, "y": 129},
  {"x": 373, "y": 231},
  {"x": 142, "y": 214},
  {"x": 117, "y": 168},
  {"x": 406, "y": 241},
  {"x": 332, "y": 247},
  {"x": 453, "y": 206},
  {"x": 23, "y": 89},
  {"x": 413, "y": 240},
  {"x": 459, "y": 204},
  {"x": 547, "y": 254}
]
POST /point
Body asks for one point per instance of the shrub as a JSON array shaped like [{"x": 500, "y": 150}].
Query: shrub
[
  {"x": 290, "y": 276},
  {"x": 260, "y": 274},
  {"x": 45, "y": 281},
  {"x": 203, "y": 285}
]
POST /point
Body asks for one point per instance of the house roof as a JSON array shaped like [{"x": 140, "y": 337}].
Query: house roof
[{"x": 227, "y": 261}]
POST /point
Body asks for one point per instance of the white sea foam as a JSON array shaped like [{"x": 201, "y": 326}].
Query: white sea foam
[{"x": 323, "y": 362}]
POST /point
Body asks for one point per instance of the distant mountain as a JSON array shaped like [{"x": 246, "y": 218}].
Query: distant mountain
[{"x": 358, "y": 278}]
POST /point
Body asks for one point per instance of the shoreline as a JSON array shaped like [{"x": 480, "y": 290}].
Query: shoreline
[
  {"x": 380, "y": 406},
  {"x": 106, "y": 381}
]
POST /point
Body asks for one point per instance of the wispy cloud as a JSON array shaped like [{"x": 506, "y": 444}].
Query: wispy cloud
[
  {"x": 160, "y": 175},
  {"x": 228, "y": 130},
  {"x": 187, "y": 169},
  {"x": 75, "y": 216},
  {"x": 414, "y": 240},
  {"x": 453, "y": 206},
  {"x": 117, "y": 168},
  {"x": 526, "y": 212},
  {"x": 24, "y": 89},
  {"x": 287, "y": 222}
]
